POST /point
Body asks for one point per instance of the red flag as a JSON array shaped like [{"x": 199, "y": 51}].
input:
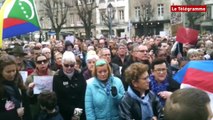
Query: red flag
[{"x": 187, "y": 35}]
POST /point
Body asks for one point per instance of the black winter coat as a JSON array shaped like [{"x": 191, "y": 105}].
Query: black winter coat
[
  {"x": 130, "y": 108},
  {"x": 11, "y": 93},
  {"x": 70, "y": 93}
]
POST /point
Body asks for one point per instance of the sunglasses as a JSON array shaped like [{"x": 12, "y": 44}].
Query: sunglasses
[
  {"x": 67, "y": 65},
  {"x": 41, "y": 61}
]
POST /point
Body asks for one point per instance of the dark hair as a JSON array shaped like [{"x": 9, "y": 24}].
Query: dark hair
[
  {"x": 47, "y": 99},
  {"x": 41, "y": 54},
  {"x": 157, "y": 62},
  {"x": 187, "y": 104},
  {"x": 134, "y": 71},
  {"x": 6, "y": 60},
  {"x": 68, "y": 43}
]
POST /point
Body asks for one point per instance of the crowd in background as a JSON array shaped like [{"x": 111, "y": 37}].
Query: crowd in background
[{"x": 102, "y": 79}]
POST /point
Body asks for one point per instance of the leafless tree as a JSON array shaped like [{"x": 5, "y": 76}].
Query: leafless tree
[
  {"x": 192, "y": 17},
  {"x": 106, "y": 18},
  {"x": 56, "y": 10},
  {"x": 85, "y": 11},
  {"x": 146, "y": 13}
]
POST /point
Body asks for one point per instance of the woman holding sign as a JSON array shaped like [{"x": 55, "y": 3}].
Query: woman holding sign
[
  {"x": 13, "y": 100},
  {"x": 40, "y": 75}
]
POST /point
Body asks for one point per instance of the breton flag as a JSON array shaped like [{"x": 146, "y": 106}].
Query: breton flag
[
  {"x": 18, "y": 17},
  {"x": 197, "y": 74}
]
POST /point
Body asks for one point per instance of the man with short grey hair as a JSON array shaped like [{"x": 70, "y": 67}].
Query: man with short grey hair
[{"x": 105, "y": 53}]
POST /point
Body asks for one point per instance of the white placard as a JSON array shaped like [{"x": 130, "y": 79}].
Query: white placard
[
  {"x": 42, "y": 83},
  {"x": 163, "y": 33},
  {"x": 24, "y": 75},
  {"x": 70, "y": 38}
]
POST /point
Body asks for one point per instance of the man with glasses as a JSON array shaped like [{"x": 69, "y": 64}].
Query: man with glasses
[
  {"x": 160, "y": 83},
  {"x": 142, "y": 54}
]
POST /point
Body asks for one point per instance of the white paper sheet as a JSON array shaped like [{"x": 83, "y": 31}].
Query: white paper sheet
[
  {"x": 42, "y": 83},
  {"x": 24, "y": 75}
]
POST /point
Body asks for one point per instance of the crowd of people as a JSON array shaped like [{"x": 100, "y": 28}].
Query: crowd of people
[{"x": 101, "y": 79}]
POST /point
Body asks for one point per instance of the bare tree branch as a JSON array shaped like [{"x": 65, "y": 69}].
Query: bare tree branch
[
  {"x": 193, "y": 17},
  {"x": 147, "y": 11},
  {"x": 85, "y": 12},
  {"x": 56, "y": 10}
]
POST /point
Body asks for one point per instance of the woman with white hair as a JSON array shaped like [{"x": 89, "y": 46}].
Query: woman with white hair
[
  {"x": 91, "y": 58},
  {"x": 69, "y": 86}
]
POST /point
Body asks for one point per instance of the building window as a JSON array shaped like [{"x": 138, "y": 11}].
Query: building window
[
  {"x": 121, "y": 14},
  {"x": 101, "y": 1},
  {"x": 137, "y": 12},
  {"x": 63, "y": 3},
  {"x": 208, "y": 13},
  {"x": 102, "y": 13},
  {"x": 160, "y": 9}
]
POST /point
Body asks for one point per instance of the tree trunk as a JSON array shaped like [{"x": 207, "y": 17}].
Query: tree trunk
[
  {"x": 57, "y": 34},
  {"x": 88, "y": 32}
]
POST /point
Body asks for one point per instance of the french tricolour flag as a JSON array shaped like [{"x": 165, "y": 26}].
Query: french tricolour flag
[{"x": 197, "y": 74}]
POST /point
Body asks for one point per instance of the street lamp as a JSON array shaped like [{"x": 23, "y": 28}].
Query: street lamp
[{"x": 110, "y": 15}]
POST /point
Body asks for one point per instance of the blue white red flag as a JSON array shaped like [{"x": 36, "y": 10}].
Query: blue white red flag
[{"x": 197, "y": 74}]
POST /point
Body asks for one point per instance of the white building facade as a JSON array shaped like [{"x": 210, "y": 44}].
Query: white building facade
[{"x": 120, "y": 18}]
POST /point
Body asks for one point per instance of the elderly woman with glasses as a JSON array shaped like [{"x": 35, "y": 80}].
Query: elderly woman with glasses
[
  {"x": 69, "y": 86},
  {"x": 41, "y": 69},
  {"x": 103, "y": 94},
  {"x": 139, "y": 103},
  {"x": 160, "y": 82},
  {"x": 91, "y": 58}
]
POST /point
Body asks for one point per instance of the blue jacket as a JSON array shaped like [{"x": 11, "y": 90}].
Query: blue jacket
[{"x": 99, "y": 105}]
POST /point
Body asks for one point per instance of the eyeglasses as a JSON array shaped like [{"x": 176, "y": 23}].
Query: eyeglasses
[
  {"x": 163, "y": 70},
  {"x": 69, "y": 65},
  {"x": 41, "y": 61},
  {"x": 145, "y": 78}
]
